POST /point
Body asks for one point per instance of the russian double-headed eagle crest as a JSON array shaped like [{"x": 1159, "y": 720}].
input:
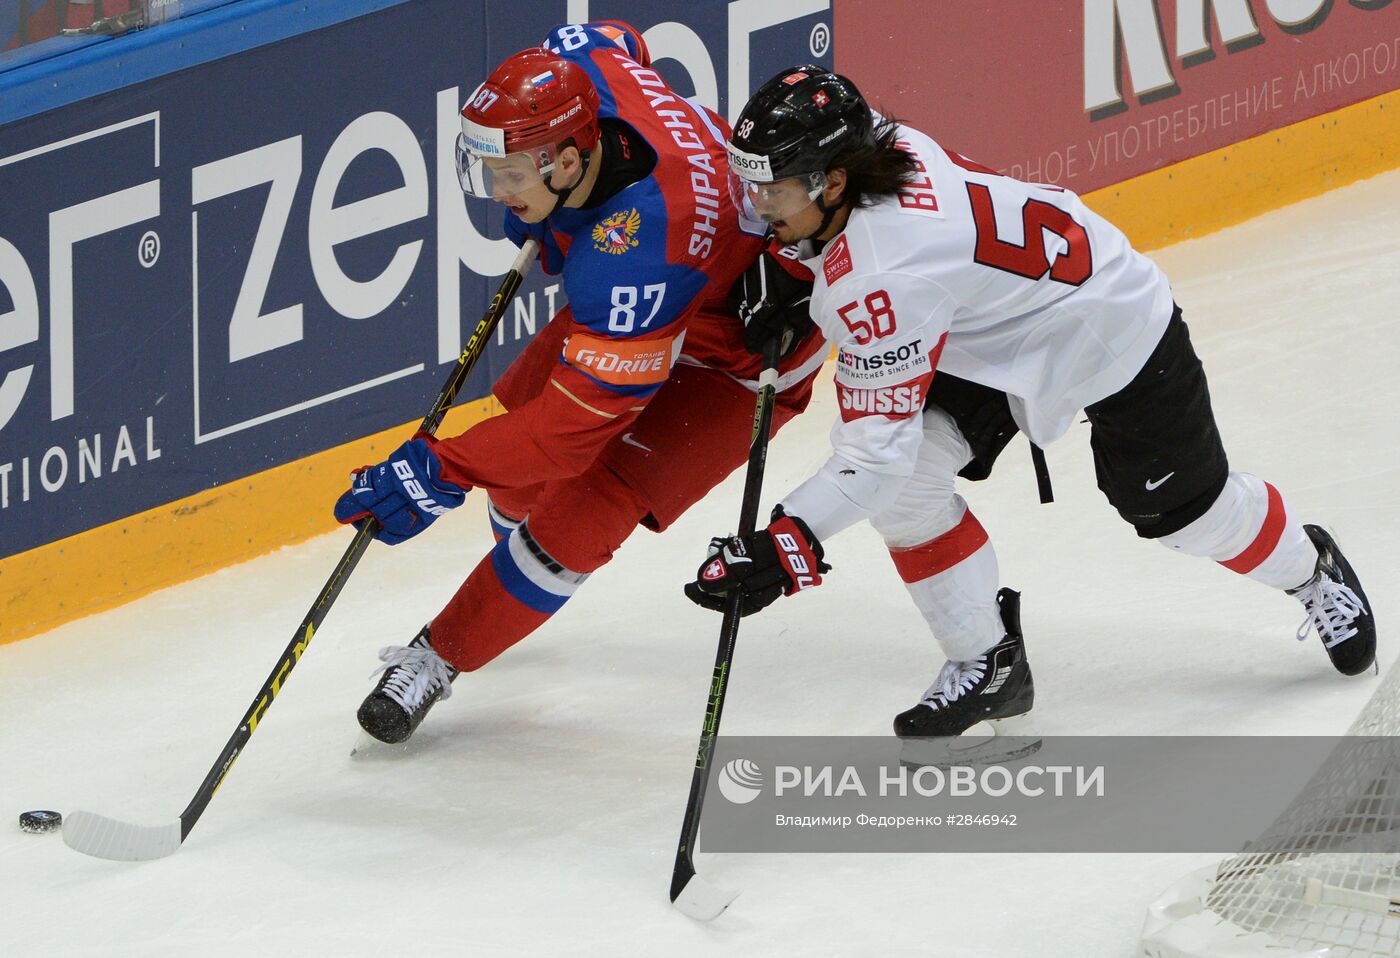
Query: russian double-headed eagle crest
[{"x": 618, "y": 232}]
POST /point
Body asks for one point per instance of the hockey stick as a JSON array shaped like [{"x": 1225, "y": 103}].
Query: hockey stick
[
  {"x": 689, "y": 892},
  {"x": 104, "y": 837}
]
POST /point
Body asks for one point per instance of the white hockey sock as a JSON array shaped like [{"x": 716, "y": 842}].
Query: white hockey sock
[
  {"x": 1250, "y": 530},
  {"x": 502, "y": 525},
  {"x": 952, "y": 579},
  {"x": 940, "y": 549}
]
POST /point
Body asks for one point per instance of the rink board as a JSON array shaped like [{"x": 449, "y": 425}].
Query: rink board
[
  {"x": 200, "y": 504},
  {"x": 248, "y": 254}
]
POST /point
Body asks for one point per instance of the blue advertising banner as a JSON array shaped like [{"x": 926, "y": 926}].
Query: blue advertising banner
[{"x": 247, "y": 261}]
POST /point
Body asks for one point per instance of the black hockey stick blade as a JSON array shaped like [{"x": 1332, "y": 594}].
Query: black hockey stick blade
[
  {"x": 690, "y": 893},
  {"x": 104, "y": 837}
]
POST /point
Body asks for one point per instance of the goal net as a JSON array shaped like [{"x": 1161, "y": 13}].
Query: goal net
[{"x": 1323, "y": 881}]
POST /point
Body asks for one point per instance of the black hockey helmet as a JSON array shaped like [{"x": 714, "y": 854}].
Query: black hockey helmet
[
  {"x": 798, "y": 122},
  {"x": 796, "y": 125}
]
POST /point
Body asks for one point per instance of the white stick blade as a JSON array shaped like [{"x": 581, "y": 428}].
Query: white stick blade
[
  {"x": 103, "y": 837},
  {"x": 702, "y": 901}
]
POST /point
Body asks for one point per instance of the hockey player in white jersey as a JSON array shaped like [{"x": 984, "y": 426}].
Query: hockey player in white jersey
[{"x": 1030, "y": 307}]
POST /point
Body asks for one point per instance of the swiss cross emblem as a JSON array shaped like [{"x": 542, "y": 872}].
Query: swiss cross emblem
[
  {"x": 713, "y": 571},
  {"x": 820, "y": 98}
]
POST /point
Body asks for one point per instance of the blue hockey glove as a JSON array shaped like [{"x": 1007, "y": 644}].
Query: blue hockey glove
[{"x": 405, "y": 493}]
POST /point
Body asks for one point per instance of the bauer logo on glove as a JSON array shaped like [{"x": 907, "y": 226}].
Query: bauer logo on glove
[
  {"x": 405, "y": 493},
  {"x": 780, "y": 560}
]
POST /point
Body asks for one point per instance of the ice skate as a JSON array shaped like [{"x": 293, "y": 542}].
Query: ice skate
[
  {"x": 995, "y": 688},
  {"x": 1337, "y": 608},
  {"x": 415, "y": 678}
]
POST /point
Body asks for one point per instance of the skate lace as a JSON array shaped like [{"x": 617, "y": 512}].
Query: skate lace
[
  {"x": 1331, "y": 609},
  {"x": 954, "y": 680},
  {"x": 413, "y": 672}
]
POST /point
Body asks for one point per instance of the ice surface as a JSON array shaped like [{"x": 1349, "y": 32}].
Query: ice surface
[{"x": 537, "y": 811}]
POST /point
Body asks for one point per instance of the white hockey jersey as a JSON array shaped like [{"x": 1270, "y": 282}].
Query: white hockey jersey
[{"x": 1016, "y": 286}]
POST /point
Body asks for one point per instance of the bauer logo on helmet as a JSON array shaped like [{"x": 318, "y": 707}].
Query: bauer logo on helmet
[{"x": 564, "y": 116}]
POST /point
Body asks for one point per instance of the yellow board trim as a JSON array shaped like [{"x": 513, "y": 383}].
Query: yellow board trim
[
  {"x": 113, "y": 564},
  {"x": 1235, "y": 183}
]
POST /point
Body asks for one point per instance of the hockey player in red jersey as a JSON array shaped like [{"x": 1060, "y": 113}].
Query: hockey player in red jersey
[
  {"x": 636, "y": 398},
  {"x": 1031, "y": 308}
]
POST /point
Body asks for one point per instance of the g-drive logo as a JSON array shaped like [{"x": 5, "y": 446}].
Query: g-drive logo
[{"x": 741, "y": 781}]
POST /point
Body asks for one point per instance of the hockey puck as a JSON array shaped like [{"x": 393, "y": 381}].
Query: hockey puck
[{"x": 40, "y": 821}]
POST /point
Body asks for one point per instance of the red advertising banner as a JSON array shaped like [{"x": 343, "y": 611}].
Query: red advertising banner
[{"x": 1086, "y": 93}]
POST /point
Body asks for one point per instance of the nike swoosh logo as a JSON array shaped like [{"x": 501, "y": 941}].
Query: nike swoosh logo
[
  {"x": 1153, "y": 485},
  {"x": 627, "y": 438}
]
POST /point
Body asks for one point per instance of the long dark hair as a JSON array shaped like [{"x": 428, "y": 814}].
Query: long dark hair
[{"x": 878, "y": 168}]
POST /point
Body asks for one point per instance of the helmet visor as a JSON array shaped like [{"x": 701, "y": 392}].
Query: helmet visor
[
  {"x": 500, "y": 177},
  {"x": 771, "y": 202}
]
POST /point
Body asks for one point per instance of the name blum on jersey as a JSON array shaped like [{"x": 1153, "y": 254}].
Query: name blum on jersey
[
  {"x": 414, "y": 488},
  {"x": 893, "y": 402},
  {"x": 918, "y": 195},
  {"x": 702, "y": 168},
  {"x": 884, "y": 365}
]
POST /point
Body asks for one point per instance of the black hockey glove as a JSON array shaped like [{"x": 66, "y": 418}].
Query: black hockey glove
[
  {"x": 772, "y": 299},
  {"x": 780, "y": 560}
]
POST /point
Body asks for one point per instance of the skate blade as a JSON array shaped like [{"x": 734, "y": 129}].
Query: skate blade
[
  {"x": 987, "y": 743},
  {"x": 364, "y": 742},
  {"x": 367, "y": 748}
]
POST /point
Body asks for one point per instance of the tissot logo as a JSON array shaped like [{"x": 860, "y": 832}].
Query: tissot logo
[
  {"x": 889, "y": 357},
  {"x": 749, "y": 165}
]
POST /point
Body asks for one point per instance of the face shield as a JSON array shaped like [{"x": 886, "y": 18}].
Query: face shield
[
  {"x": 485, "y": 169},
  {"x": 497, "y": 177},
  {"x": 758, "y": 197},
  {"x": 771, "y": 202}
]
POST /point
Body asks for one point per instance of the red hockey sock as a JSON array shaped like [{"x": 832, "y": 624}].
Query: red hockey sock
[{"x": 483, "y": 619}]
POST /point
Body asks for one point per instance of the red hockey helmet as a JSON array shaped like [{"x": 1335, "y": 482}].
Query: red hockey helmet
[{"x": 517, "y": 119}]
